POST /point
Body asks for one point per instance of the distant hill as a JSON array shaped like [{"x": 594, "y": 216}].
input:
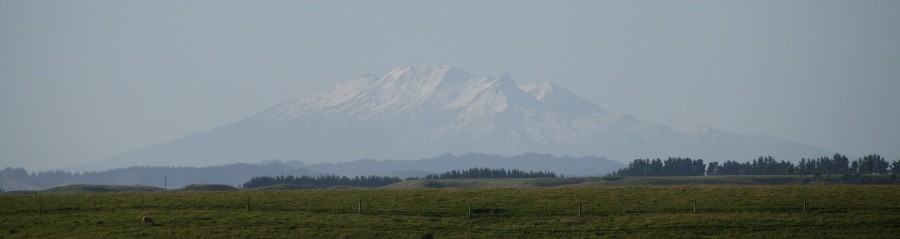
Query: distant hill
[
  {"x": 168, "y": 177},
  {"x": 237, "y": 174}
]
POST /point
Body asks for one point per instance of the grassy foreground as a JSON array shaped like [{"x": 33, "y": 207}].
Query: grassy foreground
[{"x": 831, "y": 211}]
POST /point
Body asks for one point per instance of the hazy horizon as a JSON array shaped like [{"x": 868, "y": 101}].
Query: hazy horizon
[{"x": 84, "y": 81}]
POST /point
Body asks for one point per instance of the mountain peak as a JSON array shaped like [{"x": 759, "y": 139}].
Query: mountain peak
[
  {"x": 434, "y": 70},
  {"x": 507, "y": 82},
  {"x": 399, "y": 71},
  {"x": 416, "y": 90},
  {"x": 361, "y": 75},
  {"x": 505, "y": 76},
  {"x": 539, "y": 90},
  {"x": 561, "y": 100}
]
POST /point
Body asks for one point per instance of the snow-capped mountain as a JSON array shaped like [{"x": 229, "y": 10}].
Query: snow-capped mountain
[{"x": 413, "y": 113}]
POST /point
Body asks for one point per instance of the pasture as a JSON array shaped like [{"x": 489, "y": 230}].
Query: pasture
[{"x": 806, "y": 211}]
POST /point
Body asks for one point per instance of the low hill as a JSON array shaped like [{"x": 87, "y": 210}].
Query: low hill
[
  {"x": 286, "y": 187},
  {"x": 208, "y": 188},
  {"x": 487, "y": 183},
  {"x": 85, "y": 188}
]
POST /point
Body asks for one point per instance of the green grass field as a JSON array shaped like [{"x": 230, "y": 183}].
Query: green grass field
[{"x": 831, "y": 211}]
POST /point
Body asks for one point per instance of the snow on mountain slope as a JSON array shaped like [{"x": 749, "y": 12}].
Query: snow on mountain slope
[{"x": 413, "y": 113}]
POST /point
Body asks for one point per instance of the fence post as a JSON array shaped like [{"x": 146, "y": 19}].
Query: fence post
[
  {"x": 695, "y": 205},
  {"x": 804, "y": 205},
  {"x": 469, "y": 210},
  {"x": 580, "y": 207},
  {"x": 359, "y": 206},
  {"x": 142, "y": 202}
]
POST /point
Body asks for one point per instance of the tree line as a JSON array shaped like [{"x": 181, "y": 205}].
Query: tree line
[
  {"x": 837, "y": 164},
  {"x": 321, "y": 181},
  {"x": 380, "y": 181},
  {"x": 489, "y": 173},
  {"x": 658, "y": 167}
]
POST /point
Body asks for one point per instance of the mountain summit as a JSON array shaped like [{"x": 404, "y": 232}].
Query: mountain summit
[{"x": 413, "y": 113}]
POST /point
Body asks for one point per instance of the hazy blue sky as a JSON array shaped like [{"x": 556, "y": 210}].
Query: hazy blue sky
[{"x": 84, "y": 80}]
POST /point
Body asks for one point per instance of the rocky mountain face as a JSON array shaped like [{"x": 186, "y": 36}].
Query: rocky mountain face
[{"x": 413, "y": 113}]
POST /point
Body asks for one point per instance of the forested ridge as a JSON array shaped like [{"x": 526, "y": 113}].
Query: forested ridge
[
  {"x": 837, "y": 164},
  {"x": 490, "y": 173},
  {"x": 380, "y": 181}
]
